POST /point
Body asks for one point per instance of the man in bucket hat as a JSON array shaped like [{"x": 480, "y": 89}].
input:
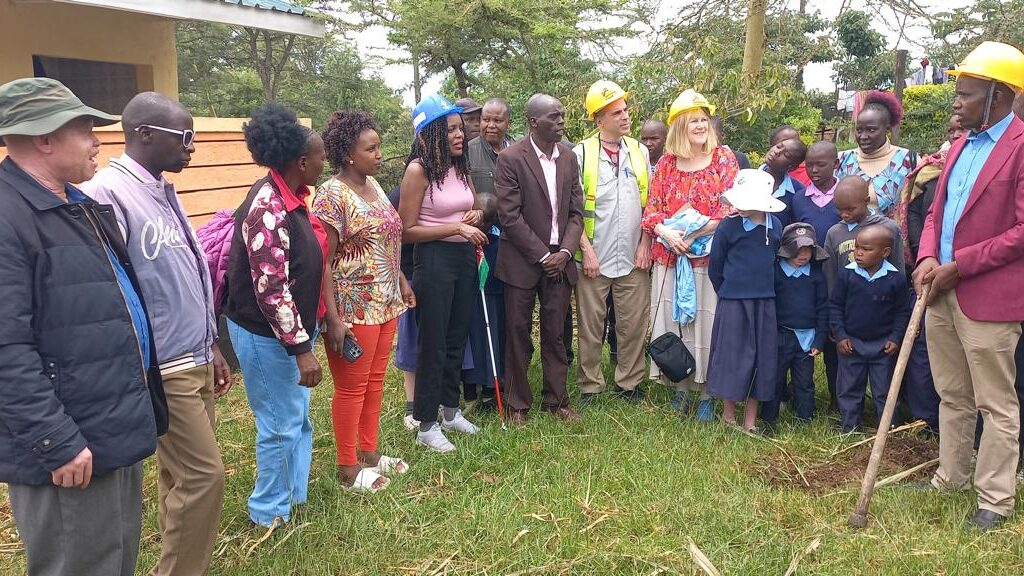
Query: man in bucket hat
[{"x": 80, "y": 397}]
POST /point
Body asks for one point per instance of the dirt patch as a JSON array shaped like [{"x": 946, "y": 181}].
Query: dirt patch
[{"x": 901, "y": 453}]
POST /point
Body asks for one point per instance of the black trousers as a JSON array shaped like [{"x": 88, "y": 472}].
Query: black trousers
[
  {"x": 444, "y": 278},
  {"x": 867, "y": 363},
  {"x": 799, "y": 367}
]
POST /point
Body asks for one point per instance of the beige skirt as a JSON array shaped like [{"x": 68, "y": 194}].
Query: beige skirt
[{"x": 697, "y": 334}]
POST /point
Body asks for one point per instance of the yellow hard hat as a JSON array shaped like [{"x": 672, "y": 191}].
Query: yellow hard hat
[
  {"x": 601, "y": 94},
  {"x": 690, "y": 99},
  {"x": 994, "y": 61}
]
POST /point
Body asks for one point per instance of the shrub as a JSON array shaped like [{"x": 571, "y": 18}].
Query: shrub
[{"x": 927, "y": 109}]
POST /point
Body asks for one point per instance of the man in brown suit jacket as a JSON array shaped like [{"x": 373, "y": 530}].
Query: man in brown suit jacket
[{"x": 540, "y": 210}]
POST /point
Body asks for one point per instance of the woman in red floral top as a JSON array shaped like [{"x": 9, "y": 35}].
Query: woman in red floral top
[{"x": 693, "y": 173}]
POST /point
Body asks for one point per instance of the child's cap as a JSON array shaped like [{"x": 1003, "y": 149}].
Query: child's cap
[
  {"x": 796, "y": 236},
  {"x": 752, "y": 190}
]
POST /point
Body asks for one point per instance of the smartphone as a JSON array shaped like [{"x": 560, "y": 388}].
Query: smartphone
[{"x": 350, "y": 349}]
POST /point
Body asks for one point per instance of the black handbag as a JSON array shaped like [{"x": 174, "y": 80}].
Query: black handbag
[{"x": 668, "y": 350}]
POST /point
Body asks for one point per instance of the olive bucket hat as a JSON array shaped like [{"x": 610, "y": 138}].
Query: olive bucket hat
[{"x": 39, "y": 106}]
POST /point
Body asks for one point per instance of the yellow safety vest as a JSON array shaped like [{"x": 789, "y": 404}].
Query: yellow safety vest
[{"x": 591, "y": 166}]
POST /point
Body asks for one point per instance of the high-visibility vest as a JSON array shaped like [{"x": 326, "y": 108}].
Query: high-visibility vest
[{"x": 591, "y": 166}]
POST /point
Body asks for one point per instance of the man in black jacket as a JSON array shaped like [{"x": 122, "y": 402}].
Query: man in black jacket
[{"x": 81, "y": 402}]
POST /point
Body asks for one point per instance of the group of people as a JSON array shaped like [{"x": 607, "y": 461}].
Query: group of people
[{"x": 109, "y": 345}]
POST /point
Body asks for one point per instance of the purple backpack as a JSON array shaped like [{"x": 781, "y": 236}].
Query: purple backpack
[{"x": 215, "y": 238}]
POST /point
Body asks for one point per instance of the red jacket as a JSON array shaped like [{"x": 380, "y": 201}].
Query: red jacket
[{"x": 988, "y": 246}]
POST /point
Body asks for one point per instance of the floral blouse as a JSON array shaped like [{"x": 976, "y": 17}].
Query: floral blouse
[
  {"x": 671, "y": 189},
  {"x": 365, "y": 267},
  {"x": 888, "y": 183}
]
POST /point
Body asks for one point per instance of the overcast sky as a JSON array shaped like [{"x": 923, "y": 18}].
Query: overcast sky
[{"x": 374, "y": 47}]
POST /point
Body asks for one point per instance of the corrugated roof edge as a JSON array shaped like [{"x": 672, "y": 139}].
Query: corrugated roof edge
[{"x": 278, "y": 5}]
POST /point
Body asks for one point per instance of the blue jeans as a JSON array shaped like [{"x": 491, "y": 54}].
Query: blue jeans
[{"x": 284, "y": 433}]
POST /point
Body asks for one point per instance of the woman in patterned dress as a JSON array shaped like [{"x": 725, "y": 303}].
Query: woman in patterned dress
[
  {"x": 882, "y": 165},
  {"x": 692, "y": 173},
  {"x": 364, "y": 293}
]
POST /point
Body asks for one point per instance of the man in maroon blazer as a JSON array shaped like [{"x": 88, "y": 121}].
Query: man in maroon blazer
[
  {"x": 972, "y": 255},
  {"x": 540, "y": 211}
]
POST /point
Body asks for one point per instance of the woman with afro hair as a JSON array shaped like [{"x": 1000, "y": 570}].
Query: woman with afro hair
[
  {"x": 275, "y": 275},
  {"x": 441, "y": 217},
  {"x": 882, "y": 165},
  {"x": 364, "y": 292}
]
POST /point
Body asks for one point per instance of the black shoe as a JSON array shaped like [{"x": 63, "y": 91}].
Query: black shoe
[
  {"x": 587, "y": 398},
  {"x": 987, "y": 520},
  {"x": 487, "y": 404},
  {"x": 634, "y": 396}
]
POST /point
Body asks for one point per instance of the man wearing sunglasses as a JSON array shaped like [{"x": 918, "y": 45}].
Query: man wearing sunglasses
[{"x": 175, "y": 279}]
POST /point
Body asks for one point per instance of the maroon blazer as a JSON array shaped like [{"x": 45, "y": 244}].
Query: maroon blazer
[
  {"x": 524, "y": 212},
  {"x": 988, "y": 246}
]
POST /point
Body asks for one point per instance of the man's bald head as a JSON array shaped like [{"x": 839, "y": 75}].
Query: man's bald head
[
  {"x": 153, "y": 130},
  {"x": 546, "y": 117},
  {"x": 154, "y": 109}
]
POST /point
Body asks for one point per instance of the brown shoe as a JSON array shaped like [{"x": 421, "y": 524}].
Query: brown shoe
[
  {"x": 517, "y": 417},
  {"x": 565, "y": 414}
]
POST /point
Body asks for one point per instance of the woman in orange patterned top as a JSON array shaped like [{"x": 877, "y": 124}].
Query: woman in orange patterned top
[
  {"x": 364, "y": 293},
  {"x": 692, "y": 173}
]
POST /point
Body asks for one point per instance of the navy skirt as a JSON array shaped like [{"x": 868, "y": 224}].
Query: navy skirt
[{"x": 744, "y": 350}]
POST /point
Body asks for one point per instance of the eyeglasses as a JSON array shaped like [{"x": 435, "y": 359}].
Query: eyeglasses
[{"x": 188, "y": 137}]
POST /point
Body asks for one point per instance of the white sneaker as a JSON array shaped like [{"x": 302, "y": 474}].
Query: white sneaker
[
  {"x": 459, "y": 424},
  {"x": 435, "y": 440},
  {"x": 411, "y": 424}
]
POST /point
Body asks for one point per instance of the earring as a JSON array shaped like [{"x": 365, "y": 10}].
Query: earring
[{"x": 351, "y": 162}]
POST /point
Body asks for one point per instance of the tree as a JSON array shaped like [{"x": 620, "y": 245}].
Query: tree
[
  {"x": 863, "y": 62},
  {"x": 753, "y": 47},
  {"x": 462, "y": 39},
  {"x": 960, "y": 30}
]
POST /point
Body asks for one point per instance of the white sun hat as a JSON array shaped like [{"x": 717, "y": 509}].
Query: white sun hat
[{"x": 752, "y": 190}]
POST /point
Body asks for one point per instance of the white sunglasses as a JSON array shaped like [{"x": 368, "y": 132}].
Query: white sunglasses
[{"x": 187, "y": 136}]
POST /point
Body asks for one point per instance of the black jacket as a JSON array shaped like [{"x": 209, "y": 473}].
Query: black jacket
[{"x": 71, "y": 373}]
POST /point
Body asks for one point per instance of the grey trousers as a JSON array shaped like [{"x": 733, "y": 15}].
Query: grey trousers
[{"x": 90, "y": 532}]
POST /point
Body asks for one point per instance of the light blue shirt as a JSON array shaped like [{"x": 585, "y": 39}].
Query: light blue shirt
[
  {"x": 962, "y": 177},
  {"x": 792, "y": 272},
  {"x": 749, "y": 224},
  {"x": 785, "y": 187},
  {"x": 805, "y": 336},
  {"x": 882, "y": 271}
]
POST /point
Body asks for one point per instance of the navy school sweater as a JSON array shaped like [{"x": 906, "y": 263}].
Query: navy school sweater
[
  {"x": 870, "y": 310},
  {"x": 742, "y": 262},
  {"x": 802, "y": 303},
  {"x": 822, "y": 218}
]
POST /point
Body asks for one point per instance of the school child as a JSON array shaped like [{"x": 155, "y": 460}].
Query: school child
[
  {"x": 785, "y": 154},
  {"x": 815, "y": 206},
  {"x": 869, "y": 312},
  {"x": 801, "y": 309},
  {"x": 742, "y": 364},
  {"x": 851, "y": 200}
]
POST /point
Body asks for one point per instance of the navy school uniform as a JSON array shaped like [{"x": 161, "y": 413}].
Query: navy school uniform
[
  {"x": 744, "y": 351},
  {"x": 801, "y": 309},
  {"x": 820, "y": 217},
  {"x": 868, "y": 312}
]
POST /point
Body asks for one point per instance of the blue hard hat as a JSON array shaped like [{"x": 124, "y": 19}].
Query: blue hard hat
[{"x": 431, "y": 108}]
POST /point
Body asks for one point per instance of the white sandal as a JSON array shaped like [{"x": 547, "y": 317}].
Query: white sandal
[
  {"x": 390, "y": 465},
  {"x": 364, "y": 482}
]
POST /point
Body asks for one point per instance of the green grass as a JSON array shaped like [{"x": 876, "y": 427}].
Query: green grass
[{"x": 623, "y": 492}]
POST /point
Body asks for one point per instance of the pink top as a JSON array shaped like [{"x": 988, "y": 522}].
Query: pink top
[{"x": 446, "y": 203}]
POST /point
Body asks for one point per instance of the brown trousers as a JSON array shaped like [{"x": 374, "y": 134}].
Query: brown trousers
[
  {"x": 973, "y": 368},
  {"x": 631, "y": 295},
  {"x": 191, "y": 478},
  {"x": 554, "y": 303}
]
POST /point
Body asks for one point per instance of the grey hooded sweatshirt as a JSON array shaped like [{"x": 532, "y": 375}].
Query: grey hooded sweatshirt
[{"x": 839, "y": 243}]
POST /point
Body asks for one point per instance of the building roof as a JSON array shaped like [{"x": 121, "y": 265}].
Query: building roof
[
  {"x": 270, "y": 5},
  {"x": 276, "y": 15}
]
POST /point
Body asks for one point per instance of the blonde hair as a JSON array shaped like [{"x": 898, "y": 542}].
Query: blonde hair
[{"x": 678, "y": 143}]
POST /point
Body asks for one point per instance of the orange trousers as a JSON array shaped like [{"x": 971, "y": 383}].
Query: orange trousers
[{"x": 359, "y": 390}]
